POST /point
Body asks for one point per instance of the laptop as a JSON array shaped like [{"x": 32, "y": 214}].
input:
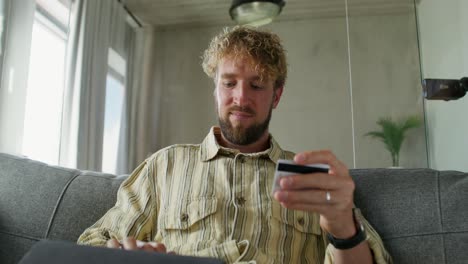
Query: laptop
[{"x": 59, "y": 252}]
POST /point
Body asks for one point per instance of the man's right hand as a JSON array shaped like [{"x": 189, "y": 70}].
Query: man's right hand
[{"x": 130, "y": 243}]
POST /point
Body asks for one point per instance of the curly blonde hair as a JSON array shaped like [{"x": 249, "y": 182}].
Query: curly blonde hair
[{"x": 262, "y": 49}]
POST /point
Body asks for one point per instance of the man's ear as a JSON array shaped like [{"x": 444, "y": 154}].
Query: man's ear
[{"x": 277, "y": 96}]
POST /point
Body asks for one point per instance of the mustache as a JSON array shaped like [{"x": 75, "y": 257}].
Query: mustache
[{"x": 244, "y": 109}]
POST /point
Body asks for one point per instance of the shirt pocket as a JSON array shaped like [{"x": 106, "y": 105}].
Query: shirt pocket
[
  {"x": 299, "y": 221},
  {"x": 188, "y": 216}
]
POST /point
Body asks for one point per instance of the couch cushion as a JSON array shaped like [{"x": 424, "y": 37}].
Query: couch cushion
[
  {"x": 88, "y": 197},
  {"x": 29, "y": 191},
  {"x": 39, "y": 201},
  {"x": 454, "y": 201},
  {"x": 454, "y": 211},
  {"x": 420, "y": 213}
]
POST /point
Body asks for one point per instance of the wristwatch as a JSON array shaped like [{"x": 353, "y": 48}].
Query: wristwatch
[{"x": 353, "y": 241}]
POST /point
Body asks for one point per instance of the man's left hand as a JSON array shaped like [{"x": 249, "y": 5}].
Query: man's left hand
[{"x": 330, "y": 195}]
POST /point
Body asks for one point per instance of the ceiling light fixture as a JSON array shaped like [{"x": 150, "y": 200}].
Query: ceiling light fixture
[{"x": 255, "y": 13}]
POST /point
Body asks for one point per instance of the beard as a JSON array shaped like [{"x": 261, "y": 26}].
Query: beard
[{"x": 240, "y": 135}]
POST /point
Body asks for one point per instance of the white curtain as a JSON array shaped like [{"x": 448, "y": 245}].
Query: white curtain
[
  {"x": 95, "y": 26},
  {"x": 141, "y": 112}
]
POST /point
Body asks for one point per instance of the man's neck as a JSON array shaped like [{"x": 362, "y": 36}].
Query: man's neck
[{"x": 261, "y": 144}]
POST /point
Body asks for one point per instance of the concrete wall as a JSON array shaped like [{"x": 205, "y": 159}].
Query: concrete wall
[
  {"x": 315, "y": 111},
  {"x": 444, "y": 51}
]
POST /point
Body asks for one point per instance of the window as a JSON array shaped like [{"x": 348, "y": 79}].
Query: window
[
  {"x": 113, "y": 110},
  {"x": 44, "y": 96},
  {"x": 2, "y": 28}
]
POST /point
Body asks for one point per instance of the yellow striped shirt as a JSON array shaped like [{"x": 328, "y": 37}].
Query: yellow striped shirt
[{"x": 207, "y": 200}]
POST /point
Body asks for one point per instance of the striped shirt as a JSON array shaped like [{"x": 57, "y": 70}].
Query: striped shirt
[{"x": 207, "y": 200}]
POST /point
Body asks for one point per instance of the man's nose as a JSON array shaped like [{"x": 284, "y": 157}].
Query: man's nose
[{"x": 241, "y": 94}]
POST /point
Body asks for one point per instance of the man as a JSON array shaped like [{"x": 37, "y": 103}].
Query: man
[{"x": 214, "y": 199}]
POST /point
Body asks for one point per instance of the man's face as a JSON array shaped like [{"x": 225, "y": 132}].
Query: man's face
[{"x": 244, "y": 101}]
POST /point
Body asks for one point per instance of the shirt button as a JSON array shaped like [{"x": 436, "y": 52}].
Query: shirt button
[
  {"x": 240, "y": 200},
  {"x": 301, "y": 221},
  {"x": 184, "y": 217}
]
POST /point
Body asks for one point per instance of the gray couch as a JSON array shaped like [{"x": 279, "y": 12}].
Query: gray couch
[{"x": 421, "y": 214}]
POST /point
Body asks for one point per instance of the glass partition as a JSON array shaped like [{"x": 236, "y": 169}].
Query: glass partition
[
  {"x": 385, "y": 83},
  {"x": 444, "y": 55},
  {"x": 314, "y": 112}
]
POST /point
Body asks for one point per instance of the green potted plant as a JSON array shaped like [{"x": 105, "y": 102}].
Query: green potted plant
[{"x": 392, "y": 134}]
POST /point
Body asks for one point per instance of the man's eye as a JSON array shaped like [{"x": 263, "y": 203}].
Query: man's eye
[
  {"x": 257, "y": 87},
  {"x": 229, "y": 84}
]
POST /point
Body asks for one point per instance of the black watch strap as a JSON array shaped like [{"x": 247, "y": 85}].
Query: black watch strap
[{"x": 350, "y": 242}]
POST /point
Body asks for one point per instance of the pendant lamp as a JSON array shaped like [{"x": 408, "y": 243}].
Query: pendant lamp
[{"x": 255, "y": 13}]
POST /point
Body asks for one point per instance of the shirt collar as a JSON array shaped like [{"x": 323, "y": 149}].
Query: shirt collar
[{"x": 210, "y": 148}]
